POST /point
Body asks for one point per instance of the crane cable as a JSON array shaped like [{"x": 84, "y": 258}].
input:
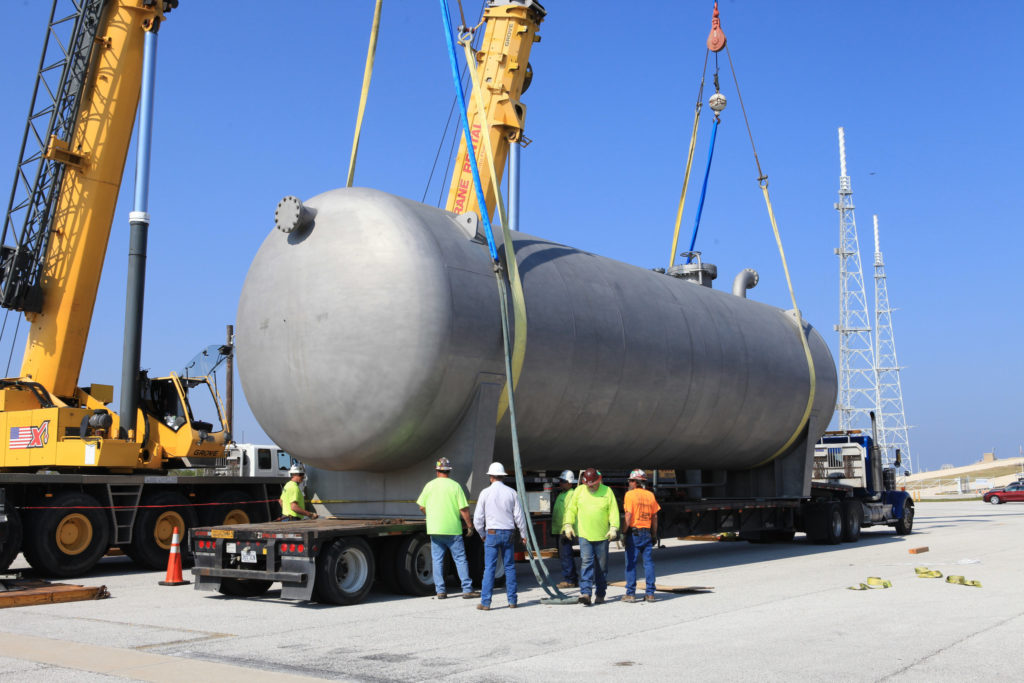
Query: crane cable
[
  {"x": 762, "y": 180},
  {"x": 367, "y": 74},
  {"x": 540, "y": 571}
]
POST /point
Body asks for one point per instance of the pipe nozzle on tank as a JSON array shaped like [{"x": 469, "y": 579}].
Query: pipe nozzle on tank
[
  {"x": 744, "y": 280},
  {"x": 292, "y": 215}
]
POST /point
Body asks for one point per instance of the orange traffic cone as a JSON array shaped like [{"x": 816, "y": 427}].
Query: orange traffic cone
[{"x": 174, "y": 577}]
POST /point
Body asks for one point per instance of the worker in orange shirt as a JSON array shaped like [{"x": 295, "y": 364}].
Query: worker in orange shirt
[{"x": 640, "y": 534}]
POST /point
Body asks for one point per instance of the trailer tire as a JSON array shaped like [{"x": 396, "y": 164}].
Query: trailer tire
[
  {"x": 344, "y": 572},
  {"x": 233, "y": 508},
  {"x": 64, "y": 543},
  {"x": 243, "y": 588},
  {"x": 154, "y": 526},
  {"x": 853, "y": 515},
  {"x": 11, "y": 546},
  {"x": 905, "y": 524},
  {"x": 414, "y": 566},
  {"x": 824, "y": 522}
]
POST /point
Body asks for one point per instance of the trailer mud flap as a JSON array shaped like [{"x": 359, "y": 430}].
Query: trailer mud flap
[{"x": 298, "y": 590}]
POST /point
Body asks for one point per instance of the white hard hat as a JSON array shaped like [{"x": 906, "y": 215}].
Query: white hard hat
[
  {"x": 297, "y": 468},
  {"x": 568, "y": 476},
  {"x": 496, "y": 470}
]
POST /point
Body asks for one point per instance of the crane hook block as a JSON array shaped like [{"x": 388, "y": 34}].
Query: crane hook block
[{"x": 716, "y": 39}]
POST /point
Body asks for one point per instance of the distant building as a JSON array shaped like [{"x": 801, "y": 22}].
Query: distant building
[{"x": 988, "y": 457}]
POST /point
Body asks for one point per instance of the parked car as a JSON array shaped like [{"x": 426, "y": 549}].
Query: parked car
[{"x": 1010, "y": 492}]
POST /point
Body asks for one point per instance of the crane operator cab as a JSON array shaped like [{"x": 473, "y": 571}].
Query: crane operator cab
[{"x": 183, "y": 418}]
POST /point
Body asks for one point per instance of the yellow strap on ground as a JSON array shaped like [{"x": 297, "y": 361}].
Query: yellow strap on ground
[
  {"x": 953, "y": 578},
  {"x": 367, "y": 73},
  {"x": 878, "y": 582},
  {"x": 518, "y": 298},
  {"x": 925, "y": 573},
  {"x": 800, "y": 331}
]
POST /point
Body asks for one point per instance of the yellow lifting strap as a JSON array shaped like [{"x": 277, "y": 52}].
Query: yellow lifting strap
[
  {"x": 763, "y": 182},
  {"x": 689, "y": 165},
  {"x": 367, "y": 73},
  {"x": 516, "y": 285},
  {"x": 800, "y": 329}
]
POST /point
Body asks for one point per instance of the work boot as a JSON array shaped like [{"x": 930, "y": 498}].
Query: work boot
[
  {"x": 442, "y": 596},
  {"x": 629, "y": 598},
  {"x": 599, "y": 600},
  {"x": 470, "y": 595},
  {"x": 585, "y": 600},
  {"x": 650, "y": 598},
  {"x": 512, "y": 605},
  {"x": 568, "y": 584},
  {"x": 485, "y": 608}
]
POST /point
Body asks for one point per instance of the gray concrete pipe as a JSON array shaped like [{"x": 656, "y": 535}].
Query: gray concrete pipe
[{"x": 362, "y": 335}]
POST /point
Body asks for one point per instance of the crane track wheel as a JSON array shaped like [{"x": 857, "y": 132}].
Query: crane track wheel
[
  {"x": 159, "y": 514},
  {"x": 10, "y": 546},
  {"x": 67, "y": 536},
  {"x": 344, "y": 571}
]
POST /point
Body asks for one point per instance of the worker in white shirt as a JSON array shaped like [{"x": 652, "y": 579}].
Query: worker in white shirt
[{"x": 497, "y": 516}]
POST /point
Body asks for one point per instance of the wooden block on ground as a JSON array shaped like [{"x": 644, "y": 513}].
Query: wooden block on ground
[
  {"x": 28, "y": 592},
  {"x": 915, "y": 551}
]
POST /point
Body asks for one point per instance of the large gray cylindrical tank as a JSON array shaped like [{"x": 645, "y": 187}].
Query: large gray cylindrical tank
[{"x": 363, "y": 334}]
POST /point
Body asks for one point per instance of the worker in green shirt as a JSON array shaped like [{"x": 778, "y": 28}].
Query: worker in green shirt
[
  {"x": 594, "y": 510},
  {"x": 570, "y": 576},
  {"x": 293, "y": 500},
  {"x": 444, "y": 502}
]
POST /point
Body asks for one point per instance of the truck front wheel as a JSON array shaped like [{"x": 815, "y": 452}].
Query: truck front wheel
[
  {"x": 905, "y": 524},
  {"x": 344, "y": 572},
  {"x": 68, "y": 536}
]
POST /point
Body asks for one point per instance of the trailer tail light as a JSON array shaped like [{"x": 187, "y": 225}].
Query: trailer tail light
[
  {"x": 291, "y": 548},
  {"x": 302, "y": 548}
]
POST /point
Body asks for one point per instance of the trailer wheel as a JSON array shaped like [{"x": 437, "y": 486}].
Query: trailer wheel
[
  {"x": 344, "y": 572},
  {"x": 11, "y": 546},
  {"x": 233, "y": 508},
  {"x": 824, "y": 522},
  {"x": 906, "y": 524},
  {"x": 159, "y": 513},
  {"x": 414, "y": 566},
  {"x": 243, "y": 588},
  {"x": 69, "y": 537},
  {"x": 853, "y": 514}
]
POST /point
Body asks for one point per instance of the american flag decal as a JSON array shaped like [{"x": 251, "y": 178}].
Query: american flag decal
[{"x": 30, "y": 437}]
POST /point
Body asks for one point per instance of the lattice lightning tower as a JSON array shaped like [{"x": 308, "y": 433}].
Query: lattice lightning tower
[
  {"x": 856, "y": 358},
  {"x": 892, "y": 421}
]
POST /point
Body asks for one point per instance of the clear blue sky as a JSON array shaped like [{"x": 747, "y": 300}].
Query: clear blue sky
[{"x": 258, "y": 102}]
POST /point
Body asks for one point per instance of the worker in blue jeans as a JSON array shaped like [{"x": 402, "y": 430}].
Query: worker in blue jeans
[
  {"x": 596, "y": 513},
  {"x": 640, "y": 534},
  {"x": 497, "y": 516}
]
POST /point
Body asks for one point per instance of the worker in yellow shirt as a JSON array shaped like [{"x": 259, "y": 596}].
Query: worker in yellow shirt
[
  {"x": 293, "y": 500},
  {"x": 641, "y": 534},
  {"x": 570, "y": 575},
  {"x": 596, "y": 513}
]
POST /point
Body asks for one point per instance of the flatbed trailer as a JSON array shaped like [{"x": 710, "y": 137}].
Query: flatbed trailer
[
  {"x": 65, "y": 522},
  {"x": 333, "y": 560}
]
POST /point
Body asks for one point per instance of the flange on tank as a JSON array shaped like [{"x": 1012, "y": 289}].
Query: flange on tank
[{"x": 369, "y": 335}]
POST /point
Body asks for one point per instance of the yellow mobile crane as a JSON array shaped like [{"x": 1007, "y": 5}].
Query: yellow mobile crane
[{"x": 73, "y": 473}]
